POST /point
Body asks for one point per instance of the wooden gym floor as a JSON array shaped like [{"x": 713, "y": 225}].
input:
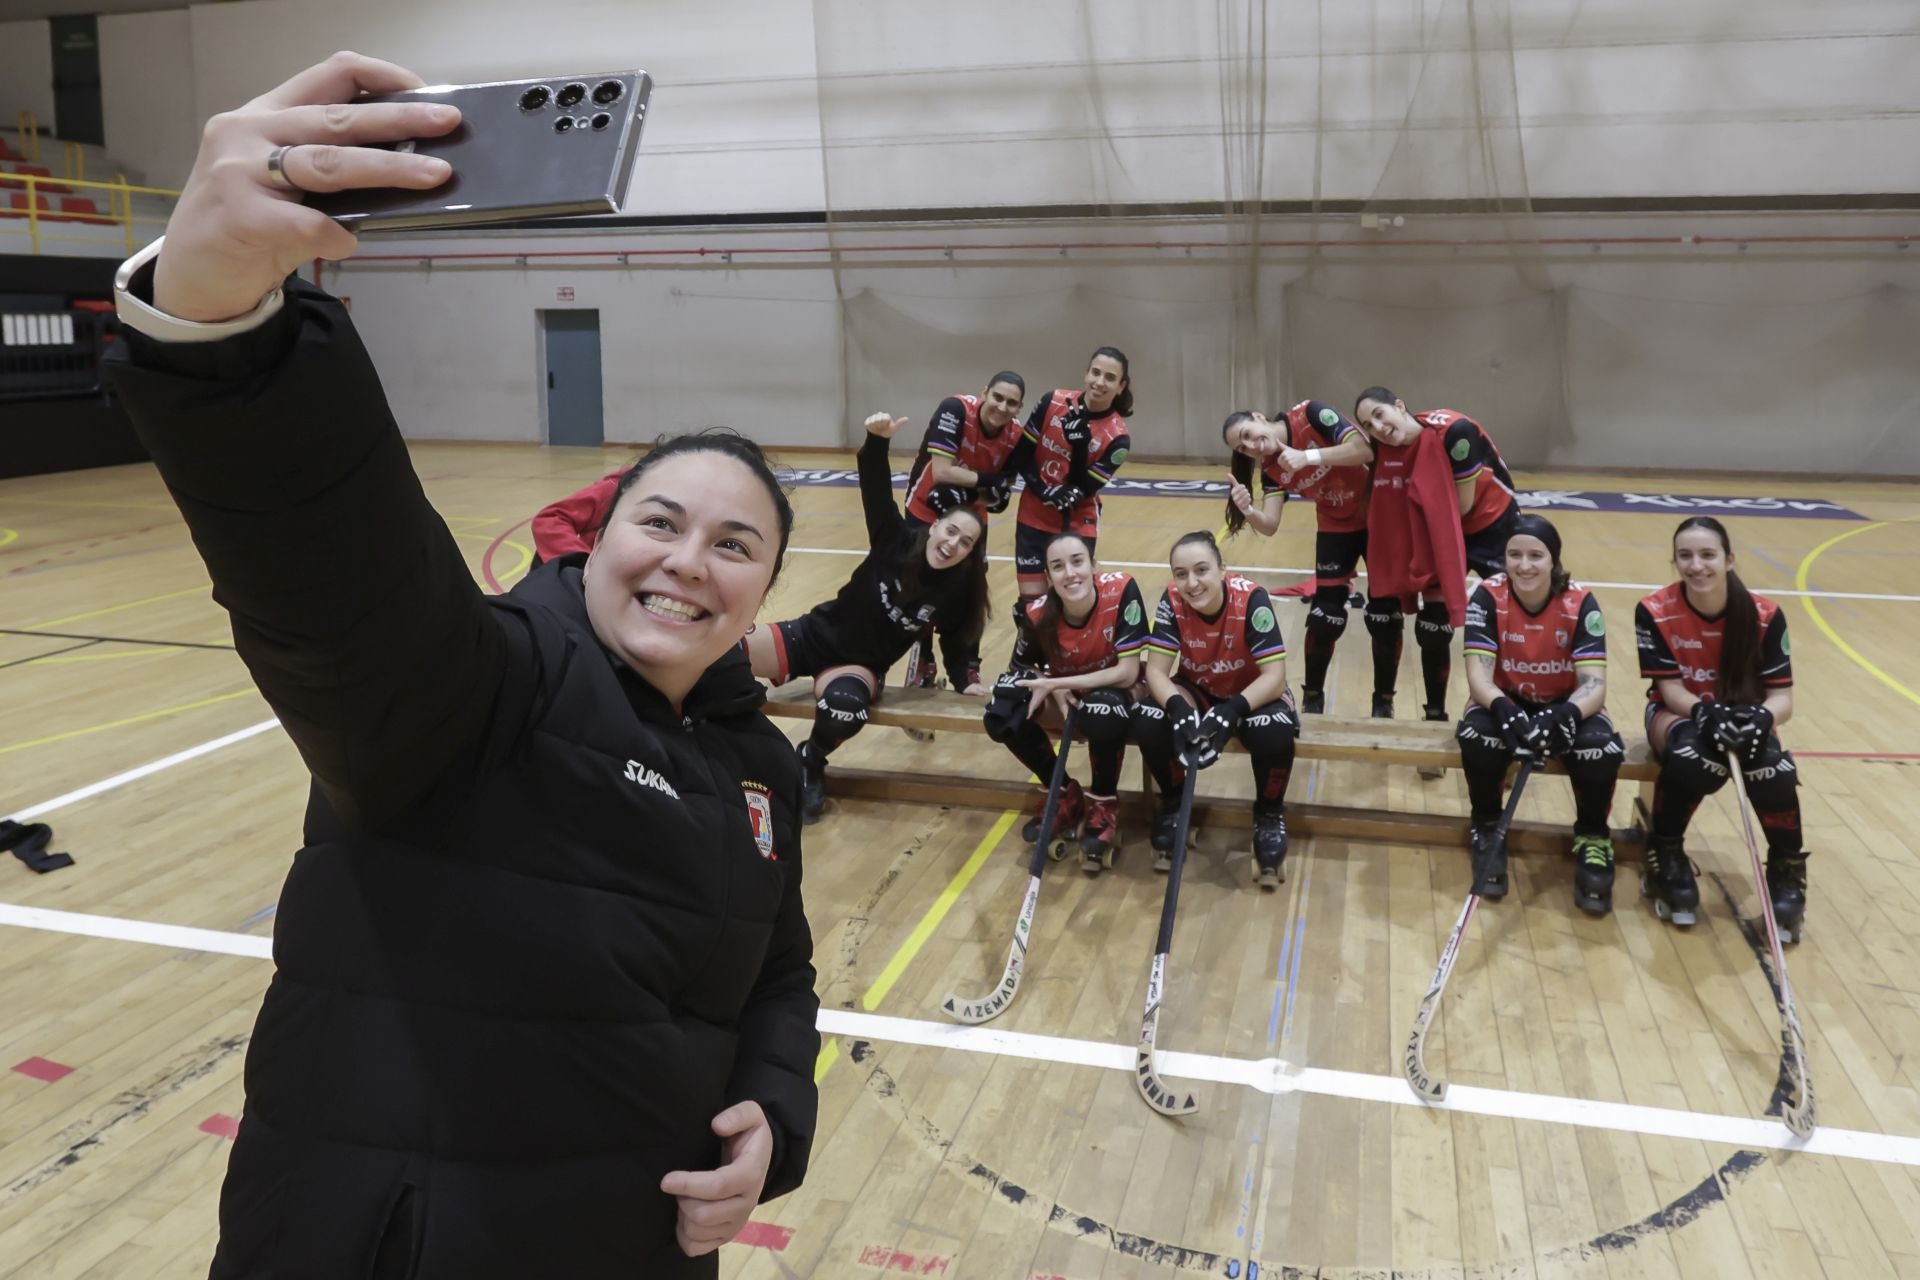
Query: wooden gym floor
[{"x": 128, "y": 983}]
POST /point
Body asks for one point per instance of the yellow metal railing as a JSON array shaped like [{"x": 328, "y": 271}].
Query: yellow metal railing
[
  {"x": 27, "y": 126},
  {"x": 20, "y": 197}
]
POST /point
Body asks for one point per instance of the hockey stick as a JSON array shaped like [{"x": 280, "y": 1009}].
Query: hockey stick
[
  {"x": 1428, "y": 1086},
  {"x": 995, "y": 1002},
  {"x": 1797, "y": 1103},
  {"x": 1158, "y": 1096}
]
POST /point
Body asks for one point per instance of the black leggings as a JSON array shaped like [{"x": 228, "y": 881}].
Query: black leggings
[
  {"x": 1593, "y": 766},
  {"x": 1267, "y": 732},
  {"x": 1103, "y": 721},
  {"x": 1694, "y": 767}
]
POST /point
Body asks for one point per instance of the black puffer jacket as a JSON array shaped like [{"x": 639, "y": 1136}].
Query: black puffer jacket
[{"x": 544, "y": 927}]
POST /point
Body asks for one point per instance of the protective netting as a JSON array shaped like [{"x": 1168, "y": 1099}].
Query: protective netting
[{"x": 1261, "y": 202}]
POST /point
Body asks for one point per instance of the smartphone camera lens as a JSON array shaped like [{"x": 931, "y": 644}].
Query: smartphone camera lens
[
  {"x": 535, "y": 98},
  {"x": 571, "y": 96},
  {"x": 607, "y": 92},
  {"x": 601, "y": 121},
  {"x": 563, "y": 124}
]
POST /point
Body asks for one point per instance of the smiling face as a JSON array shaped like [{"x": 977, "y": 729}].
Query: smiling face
[
  {"x": 683, "y": 567},
  {"x": 1197, "y": 576},
  {"x": 1702, "y": 562},
  {"x": 1255, "y": 437},
  {"x": 952, "y": 538},
  {"x": 1070, "y": 573},
  {"x": 1000, "y": 405},
  {"x": 1105, "y": 380},
  {"x": 1387, "y": 423},
  {"x": 1529, "y": 565}
]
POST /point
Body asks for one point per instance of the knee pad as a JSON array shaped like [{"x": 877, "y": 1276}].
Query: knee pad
[
  {"x": 1383, "y": 618},
  {"x": 1691, "y": 764},
  {"x": 1006, "y": 709},
  {"x": 1431, "y": 627},
  {"x": 1771, "y": 777},
  {"x": 1327, "y": 615},
  {"x": 1105, "y": 717},
  {"x": 1483, "y": 748},
  {"x": 1597, "y": 751},
  {"x": 1269, "y": 730},
  {"x": 841, "y": 710},
  {"x": 1149, "y": 723}
]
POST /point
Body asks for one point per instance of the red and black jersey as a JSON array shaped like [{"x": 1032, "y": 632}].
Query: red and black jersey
[
  {"x": 1338, "y": 494},
  {"x": 1116, "y": 629},
  {"x": 1223, "y": 654},
  {"x": 955, "y": 433},
  {"x": 1536, "y": 656},
  {"x": 1678, "y": 643},
  {"x": 1472, "y": 455},
  {"x": 1053, "y": 463}
]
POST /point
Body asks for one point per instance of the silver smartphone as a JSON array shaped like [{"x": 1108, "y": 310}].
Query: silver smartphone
[{"x": 543, "y": 148}]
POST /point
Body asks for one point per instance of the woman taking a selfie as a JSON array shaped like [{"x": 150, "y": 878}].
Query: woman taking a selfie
[{"x": 543, "y": 1001}]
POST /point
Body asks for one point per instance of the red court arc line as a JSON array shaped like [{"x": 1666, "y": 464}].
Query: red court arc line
[
  {"x": 221, "y": 1126},
  {"x": 486, "y": 558}
]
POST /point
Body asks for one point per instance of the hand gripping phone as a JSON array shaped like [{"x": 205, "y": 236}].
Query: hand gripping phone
[{"x": 552, "y": 147}]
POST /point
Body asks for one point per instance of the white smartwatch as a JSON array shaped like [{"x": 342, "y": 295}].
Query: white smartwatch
[{"x": 161, "y": 327}]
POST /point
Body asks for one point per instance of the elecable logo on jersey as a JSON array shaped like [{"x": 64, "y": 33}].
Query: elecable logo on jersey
[{"x": 760, "y": 816}]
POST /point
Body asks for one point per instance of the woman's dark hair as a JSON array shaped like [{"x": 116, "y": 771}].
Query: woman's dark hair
[
  {"x": 1205, "y": 539},
  {"x": 1381, "y": 394},
  {"x": 1739, "y": 676},
  {"x": 913, "y": 568},
  {"x": 1046, "y": 629},
  {"x": 1241, "y": 466},
  {"x": 1123, "y": 399},
  {"x": 728, "y": 443},
  {"x": 1540, "y": 527},
  {"x": 1008, "y": 375}
]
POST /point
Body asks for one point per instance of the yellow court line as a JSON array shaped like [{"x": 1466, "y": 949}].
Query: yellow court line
[
  {"x": 117, "y": 724},
  {"x": 131, "y": 604},
  {"x": 51, "y": 661},
  {"x": 903, "y": 957},
  {"x": 526, "y": 554},
  {"x": 1813, "y": 610},
  {"x": 80, "y": 502},
  {"x": 8, "y": 535}
]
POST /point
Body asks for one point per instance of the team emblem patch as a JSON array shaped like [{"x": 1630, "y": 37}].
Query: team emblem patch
[
  {"x": 1786, "y": 643},
  {"x": 760, "y": 815},
  {"x": 1132, "y": 614},
  {"x": 1460, "y": 450},
  {"x": 1117, "y": 457},
  {"x": 1263, "y": 619},
  {"x": 1328, "y": 418},
  {"x": 1596, "y": 624}
]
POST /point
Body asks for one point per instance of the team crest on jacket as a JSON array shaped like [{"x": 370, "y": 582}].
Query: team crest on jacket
[{"x": 760, "y": 815}]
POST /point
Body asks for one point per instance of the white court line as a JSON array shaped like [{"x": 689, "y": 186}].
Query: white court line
[
  {"x": 1270, "y": 1075},
  {"x": 1270, "y": 568},
  {"x": 132, "y": 775}
]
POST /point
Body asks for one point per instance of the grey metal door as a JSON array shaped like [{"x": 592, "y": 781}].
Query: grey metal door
[{"x": 574, "y": 410}]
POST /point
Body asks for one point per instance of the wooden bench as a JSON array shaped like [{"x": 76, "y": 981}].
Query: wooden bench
[{"x": 1417, "y": 744}]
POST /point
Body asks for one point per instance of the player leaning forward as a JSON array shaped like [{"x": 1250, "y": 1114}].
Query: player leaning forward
[
  {"x": 542, "y": 1001},
  {"x": 1536, "y": 650}
]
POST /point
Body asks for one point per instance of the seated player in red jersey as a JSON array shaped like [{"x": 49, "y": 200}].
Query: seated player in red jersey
[
  {"x": 1073, "y": 443},
  {"x": 1311, "y": 452},
  {"x": 1717, "y": 655},
  {"x": 1232, "y": 679},
  {"x": 1487, "y": 508},
  {"x": 961, "y": 462},
  {"x": 1536, "y": 648},
  {"x": 1077, "y": 645}
]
